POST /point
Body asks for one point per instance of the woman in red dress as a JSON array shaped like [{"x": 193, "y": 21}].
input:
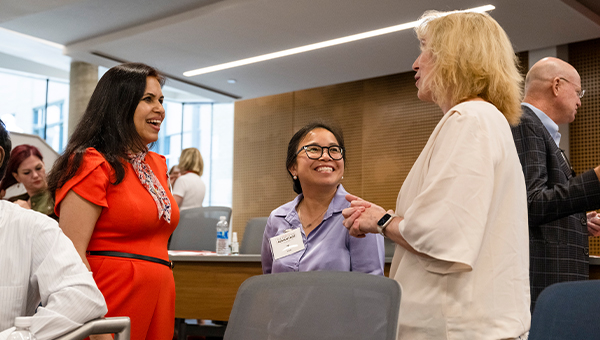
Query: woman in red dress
[{"x": 113, "y": 200}]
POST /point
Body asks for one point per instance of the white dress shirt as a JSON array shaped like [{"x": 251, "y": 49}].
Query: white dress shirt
[{"x": 39, "y": 264}]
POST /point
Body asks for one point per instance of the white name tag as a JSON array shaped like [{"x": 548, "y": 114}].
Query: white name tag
[{"x": 286, "y": 244}]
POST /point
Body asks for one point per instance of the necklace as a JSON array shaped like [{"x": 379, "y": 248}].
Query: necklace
[{"x": 313, "y": 221}]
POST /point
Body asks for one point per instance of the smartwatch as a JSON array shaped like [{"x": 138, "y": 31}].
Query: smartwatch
[{"x": 384, "y": 222}]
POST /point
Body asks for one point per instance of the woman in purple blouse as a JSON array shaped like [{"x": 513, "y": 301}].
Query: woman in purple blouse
[{"x": 307, "y": 233}]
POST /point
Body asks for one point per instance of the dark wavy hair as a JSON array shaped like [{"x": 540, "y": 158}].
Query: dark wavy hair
[
  {"x": 5, "y": 144},
  {"x": 107, "y": 124},
  {"x": 293, "y": 146},
  {"x": 17, "y": 156}
]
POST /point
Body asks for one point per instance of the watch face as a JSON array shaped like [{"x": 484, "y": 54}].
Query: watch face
[{"x": 384, "y": 219}]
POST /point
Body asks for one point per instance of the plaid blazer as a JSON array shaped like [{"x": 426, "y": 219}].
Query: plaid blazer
[{"x": 557, "y": 202}]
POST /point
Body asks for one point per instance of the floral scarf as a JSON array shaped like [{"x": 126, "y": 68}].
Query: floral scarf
[{"x": 151, "y": 183}]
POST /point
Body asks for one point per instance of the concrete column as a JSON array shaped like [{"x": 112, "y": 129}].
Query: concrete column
[
  {"x": 83, "y": 79},
  {"x": 560, "y": 52}
]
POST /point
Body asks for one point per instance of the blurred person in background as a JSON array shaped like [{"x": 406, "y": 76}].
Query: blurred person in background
[
  {"x": 26, "y": 166},
  {"x": 189, "y": 189},
  {"x": 174, "y": 174}
]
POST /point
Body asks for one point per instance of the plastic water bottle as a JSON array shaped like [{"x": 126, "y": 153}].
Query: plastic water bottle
[
  {"x": 222, "y": 236},
  {"x": 22, "y": 323},
  {"x": 235, "y": 246}
]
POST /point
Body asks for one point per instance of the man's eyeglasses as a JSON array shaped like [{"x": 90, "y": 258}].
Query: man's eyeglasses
[
  {"x": 580, "y": 93},
  {"x": 313, "y": 151}
]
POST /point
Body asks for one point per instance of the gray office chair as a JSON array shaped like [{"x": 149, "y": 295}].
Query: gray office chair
[
  {"x": 315, "y": 305},
  {"x": 253, "y": 235},
  {"x": 119, "y": 326},
  {"x": 197, "y": 228},
  {"x": 567, "y": 310}
]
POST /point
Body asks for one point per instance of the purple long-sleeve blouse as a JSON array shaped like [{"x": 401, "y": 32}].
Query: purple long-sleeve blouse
[{"x": 327, "y": 247}]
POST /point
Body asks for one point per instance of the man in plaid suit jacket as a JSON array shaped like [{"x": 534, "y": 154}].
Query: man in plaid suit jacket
[{"x": 557, "y": 199}]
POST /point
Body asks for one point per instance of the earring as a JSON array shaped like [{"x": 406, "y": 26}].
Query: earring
[
  {"x": 342, "y": 177},
  {"x": 295, "y": 177}
]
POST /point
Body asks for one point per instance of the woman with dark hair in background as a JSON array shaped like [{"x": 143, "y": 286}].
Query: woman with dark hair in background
[
  {"x": 26, "y": 166},
  {"x": 113, "y": 200},
  {"x": 315, "y": 161},
  {"x": 189, "y": 189}
]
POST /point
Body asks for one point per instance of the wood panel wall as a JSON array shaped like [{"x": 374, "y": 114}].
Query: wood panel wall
[
  {"x": 385, "y": 128},
  {"x": 584, "y": 132}
]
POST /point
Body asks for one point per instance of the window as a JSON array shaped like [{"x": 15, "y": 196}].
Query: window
[
  {"x": 48, "y": 123},
  {"x": 40, "y": 105},
  {"x": 208, "y": 127},
  {"x": 36, "y": 105}
]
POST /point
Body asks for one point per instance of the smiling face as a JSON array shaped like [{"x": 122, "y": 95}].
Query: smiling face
[
  {"x": 32, "y": 174},
  {"x": 149, "y": 113},
  {"x": 423, "y": 66},
  {"x": 323, "y": 173}
]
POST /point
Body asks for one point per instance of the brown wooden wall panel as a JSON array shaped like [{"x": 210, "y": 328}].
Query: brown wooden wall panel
[
  {"x": 385, "y": 128},
  {"x": 340, "y": 105},
  {"x": 396, "y": 127},
  {"x": 584, "y": 132},
  {"x": 262, "y": 129}
]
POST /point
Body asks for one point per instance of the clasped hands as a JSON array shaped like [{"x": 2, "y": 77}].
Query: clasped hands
[
  {"x": 593, "y": 223},
  {"x": 361, "y": 217}
]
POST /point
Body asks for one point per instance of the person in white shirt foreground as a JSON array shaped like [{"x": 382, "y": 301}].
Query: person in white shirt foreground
[
  {"x": 39, "y": 265},
  {"x": 460, "y": 225}
]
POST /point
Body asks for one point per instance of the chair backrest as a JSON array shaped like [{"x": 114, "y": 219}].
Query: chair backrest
[
  {"x": 197, "y": 228},
  {"x": 253, "y": 235},
  {"x": 567, "y": 310},
  {"x": 119, "y": 326},
  {"x": 315, "y": 305}
]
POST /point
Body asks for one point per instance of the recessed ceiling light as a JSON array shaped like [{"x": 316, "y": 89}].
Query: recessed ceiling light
[
  {"x": 232, "y": 81},
  {"x": 319, "y": 45}
]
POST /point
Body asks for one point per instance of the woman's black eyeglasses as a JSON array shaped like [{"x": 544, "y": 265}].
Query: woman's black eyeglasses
[{"x": 313, "y": 151}]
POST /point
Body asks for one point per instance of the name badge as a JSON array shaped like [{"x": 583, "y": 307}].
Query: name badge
[{"x": 286, "y": 244}]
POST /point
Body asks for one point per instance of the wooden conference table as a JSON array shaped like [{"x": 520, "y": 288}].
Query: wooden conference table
[{"x": 206, "y": 285}]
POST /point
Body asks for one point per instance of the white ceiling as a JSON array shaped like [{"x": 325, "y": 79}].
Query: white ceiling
[{"x": 181, "y": 35}]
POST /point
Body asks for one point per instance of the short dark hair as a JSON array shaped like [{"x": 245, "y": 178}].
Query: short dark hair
[
  {"x": 107, "y": 124},
  {"x": 5, "y": 144},
  {"x": 293, "y": 146}
]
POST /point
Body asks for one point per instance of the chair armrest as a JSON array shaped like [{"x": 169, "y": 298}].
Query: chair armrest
[{"x": 119, "y": 326}]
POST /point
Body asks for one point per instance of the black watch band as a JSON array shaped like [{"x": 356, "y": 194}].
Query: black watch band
[{"x": 384, "y": 222}]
